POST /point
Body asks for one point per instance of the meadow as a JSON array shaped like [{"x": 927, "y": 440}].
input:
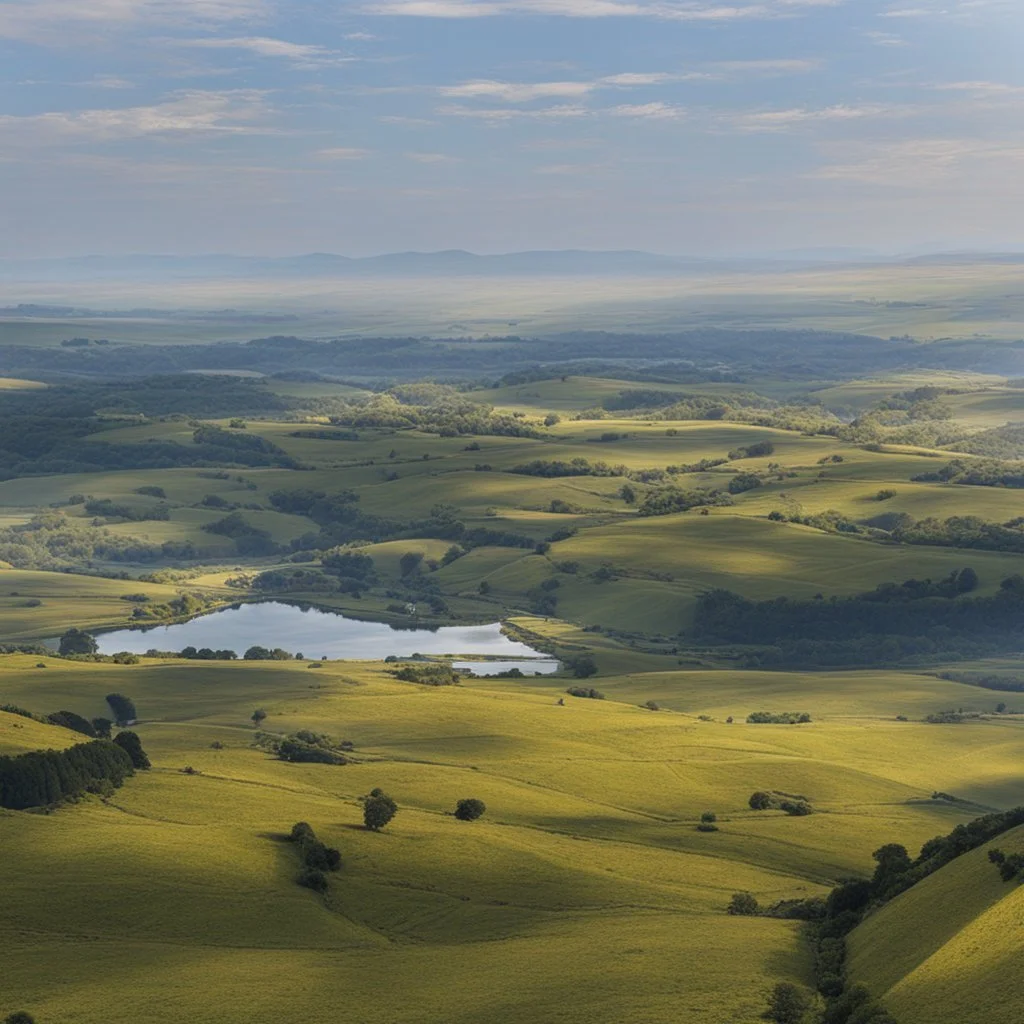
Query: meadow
[
  {"x": 588, "y": 892},
  {"x": 587, "y": 870}
]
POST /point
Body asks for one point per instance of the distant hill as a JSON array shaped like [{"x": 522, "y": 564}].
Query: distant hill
[
  {"x": 948, "y": 948},
  {"x": 452, "y": 262}
]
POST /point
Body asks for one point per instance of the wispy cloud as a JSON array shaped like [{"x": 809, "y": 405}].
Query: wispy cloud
[
  {"x": 527, "y": 92},
  {"x": 62, "y": 21},
  {"x": 795, "y": 117},
  {"x": 299, "y": 54},
  {"x": 343, "y": 153},
  {"x": 647, "y": 111},
  {"x": 517, "y": 92},
  {"x": 666, "y": 10},
  {"x": 231, "y": 112}
]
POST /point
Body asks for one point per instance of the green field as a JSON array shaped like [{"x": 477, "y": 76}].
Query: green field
[
  {"x": 587, "y": 862},
  {"x": 586, "y": 894}
]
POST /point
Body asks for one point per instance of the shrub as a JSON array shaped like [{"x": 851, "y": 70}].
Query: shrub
[
  {"x": 760, "y": 801},
  {"x": 378, "y": 810},
  {"x": 69, "y": 720},
  {"x": 585, "y": 691},
  {"x": 21, "y": 1017},
  {"x": 469, "y": 809},
  {"x": 75, "y": 641},
  {"x": 313, "y": 878},
  {"x": 744, "y": 904},
  {"x": 123, "y": 708},
  {"x": 788, "y": 1004},
  {"x": 130, "y": 743},
  {"x": 582, "y": 667}
]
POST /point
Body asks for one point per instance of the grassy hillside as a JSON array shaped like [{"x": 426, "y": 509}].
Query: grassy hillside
[
  {"x": 586, "y": 870},
  {"x": 948, "y": 948}
]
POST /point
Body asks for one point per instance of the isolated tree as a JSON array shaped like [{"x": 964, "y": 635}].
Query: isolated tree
[
  {"x": 788, "y": 1004},
  {"x": 76, "y": 641},
  {"x": 258, "y": 717},
  {"x": 744, "y": 904},
  {"x": 21, "y": 1017},
  {"x": 130, "y": 743},
  {"x": 123, "y": 708},
  {"x": 378, "y": 810},
  {"x": 469, "y": 809},
  {"x": 628, "y": 494},
  {"x": 709, "y": 817}
]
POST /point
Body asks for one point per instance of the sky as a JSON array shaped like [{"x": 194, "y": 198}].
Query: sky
[{"x": 692, "y": 127}]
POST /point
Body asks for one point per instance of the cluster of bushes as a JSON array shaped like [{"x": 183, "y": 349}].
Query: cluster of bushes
[
  {"x": 752, "y": 451},
  {"x": 46, "y": 777},
  {"x": 1011, "y": 866},
  {"x": 195, "y": 654},
  {"x": 949, "y": 717},
  {"x": 450, "y": 415},
  {"x": 987, "y": 473},
  {"x": 667, "y": 500},
  {"x": 131, "y": 513},
  {"x": 304, "y": 581},
  {"x": 430, "y": 674},
  {"x": 307, "y": 747},
  {"x": 778, "y": 718},
  {"x": 793, "y": 804},
  {"x": 258, "y": 653},
  {"x": 585, "y": 691},
  {"x": 317, "y": 858}
]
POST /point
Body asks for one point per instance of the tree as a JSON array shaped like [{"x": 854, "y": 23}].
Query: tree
[
  {"x": 469, "y": 809},
  {"x": 69, "y": 720},
  {"x": 258, "y": 717},
  {"x": 130, "y": 743},
  {"x": 75, "y": 641},
  {"x": 788, "y": 1003},
  {"x": 410, "y": 562},
  {"x": 102, "y": 727},
  {"x": 628, "y": 494},
  {"x": 123, "y": 708},
  {"x": 378, "y": 810},
  {"x": 966, "y": 581},
  {"x": 21, "y": 1017},
  {"x": 583, "y": 667},
  {"x": 760, "y": 801},
  {"x": 743, "y": 904},
  {"x": 892, "y": 860}
]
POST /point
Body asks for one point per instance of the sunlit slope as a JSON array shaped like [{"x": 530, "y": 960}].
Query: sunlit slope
[
  {"x": 949, "y": 948},
  {"x": 19, "y": 734},
  {"x": 184, "y": 889},
  {"x": 37, "y": 605}
]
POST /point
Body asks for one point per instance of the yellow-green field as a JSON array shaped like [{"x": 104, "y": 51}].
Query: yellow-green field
[{"x": 586, "y": 876}]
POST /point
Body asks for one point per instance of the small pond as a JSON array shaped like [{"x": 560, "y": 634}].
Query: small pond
[{"x": 317, "y": 633}]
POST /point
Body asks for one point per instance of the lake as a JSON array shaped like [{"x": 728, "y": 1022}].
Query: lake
[{"x": 317, "y": 633}]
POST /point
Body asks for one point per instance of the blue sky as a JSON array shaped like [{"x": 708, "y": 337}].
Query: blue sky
[{"x": 680, "y": 126}]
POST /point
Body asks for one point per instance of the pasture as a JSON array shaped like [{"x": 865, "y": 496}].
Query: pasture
[{"x": 586, "y": 870}]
